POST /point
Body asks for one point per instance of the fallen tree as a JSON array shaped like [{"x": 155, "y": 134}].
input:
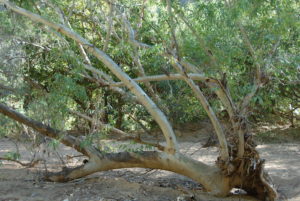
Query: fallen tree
[{"x": 239, "y": 164}]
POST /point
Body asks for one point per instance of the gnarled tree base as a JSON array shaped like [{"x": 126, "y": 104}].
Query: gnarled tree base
[{"x": 255, "y": 181}]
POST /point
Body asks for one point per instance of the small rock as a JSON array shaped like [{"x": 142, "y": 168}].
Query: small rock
[{"x": 186, "y": 198}]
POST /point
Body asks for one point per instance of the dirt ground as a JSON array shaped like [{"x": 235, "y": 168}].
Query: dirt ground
[{"x": 19, "y": 183}]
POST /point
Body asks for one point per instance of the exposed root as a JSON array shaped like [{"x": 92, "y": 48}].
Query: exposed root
[
  {"x": 266, "y": 180},
  {"x": 248, "y": 173}
]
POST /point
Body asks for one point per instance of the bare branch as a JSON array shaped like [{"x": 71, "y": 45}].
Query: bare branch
[
  {"x": 104, "y": 80},
  {"x": 197, "y": 91},
  {"x": 189, "y": 66},
  {"x": 137, "y": 61},
  {"x": 214, "y": 84},
  {"x": 67, "y": 23},
  {"x": 256, "y": 85},
  {"x": 211, "y": 114},
  {"x": 43, "y": 129},
  {"x": 131, "y": 35},
  {"x": 138, "y": 140},
  {"x": 152, "y": 78},
  {"x": 175, "y": 61}
]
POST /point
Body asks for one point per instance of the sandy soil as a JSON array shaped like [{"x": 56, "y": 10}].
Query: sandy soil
[{"x": 19, "y": 183}]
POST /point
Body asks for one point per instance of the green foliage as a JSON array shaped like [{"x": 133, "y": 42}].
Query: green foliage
[
  {"x": 278, "y": 135},
  {"x": 51, "y": 74}
]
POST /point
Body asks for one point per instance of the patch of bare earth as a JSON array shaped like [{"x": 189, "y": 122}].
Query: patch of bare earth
[{"x": 19, "y": 183}]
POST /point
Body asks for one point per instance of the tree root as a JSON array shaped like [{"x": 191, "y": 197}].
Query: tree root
[{"x": 252, "y": 178}]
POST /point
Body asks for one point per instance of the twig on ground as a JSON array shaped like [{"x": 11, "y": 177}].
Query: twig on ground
[{"x": 29, "y": 165}]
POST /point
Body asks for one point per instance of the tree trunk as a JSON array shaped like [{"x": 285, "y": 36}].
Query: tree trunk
[{"x": 209, "y": 176}]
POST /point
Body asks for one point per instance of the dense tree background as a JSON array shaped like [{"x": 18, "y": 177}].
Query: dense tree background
[{"x": 45, "y": 69}]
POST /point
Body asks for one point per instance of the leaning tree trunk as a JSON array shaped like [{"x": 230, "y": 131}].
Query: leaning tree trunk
[
  {"x": 211, "y": 177},
  {"x": 239, "y": 164}
]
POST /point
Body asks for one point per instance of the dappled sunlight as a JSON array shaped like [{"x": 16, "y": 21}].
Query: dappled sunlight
[{"x": 281, "y": 159}]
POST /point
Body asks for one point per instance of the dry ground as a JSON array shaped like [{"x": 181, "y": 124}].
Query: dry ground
[{"x": 19, "y": 183}]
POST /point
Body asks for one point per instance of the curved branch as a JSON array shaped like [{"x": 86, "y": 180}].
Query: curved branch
[
  {"x": 209, "y": 176},
  {"x": 214, "y": 84},
  {"x": 156, "y": 113},
  {"x": 211, "y": 114},
  {"x": 256, "y": 85},
  {"x": 177, "y": 76},
  {"x": 174, "y": 60},
  {"x": 224, "y": 155},
  {"x": 136, "y": 58},
  {"x": 104, "y": 80}
]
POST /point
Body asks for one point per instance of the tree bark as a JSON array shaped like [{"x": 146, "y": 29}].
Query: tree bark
[{"x": 209, "y": 176}]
